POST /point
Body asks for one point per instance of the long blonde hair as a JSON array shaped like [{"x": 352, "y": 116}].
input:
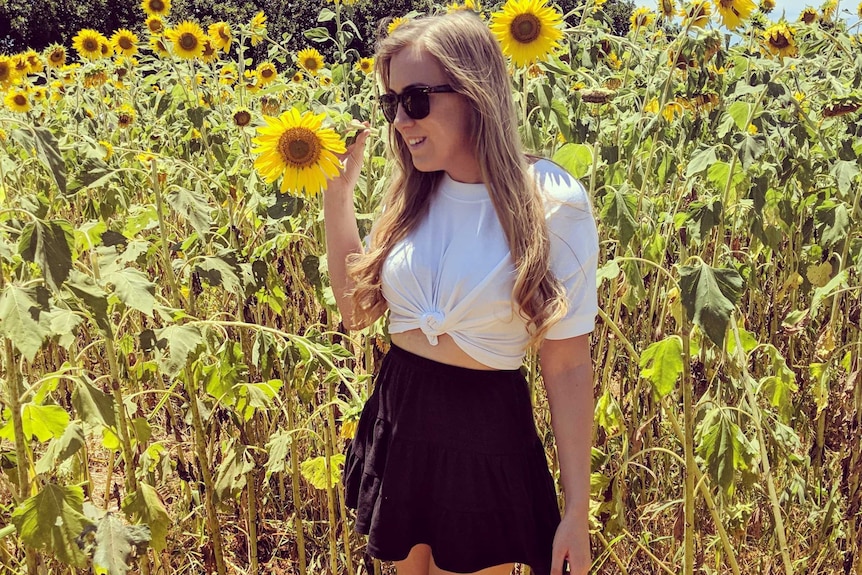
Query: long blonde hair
[{"x": 473, "y": 62}]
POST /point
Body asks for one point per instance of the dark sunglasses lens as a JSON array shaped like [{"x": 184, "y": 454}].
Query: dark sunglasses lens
[
  {"x": 416, "y": 104},
  {"x": 389, "y": 105}
]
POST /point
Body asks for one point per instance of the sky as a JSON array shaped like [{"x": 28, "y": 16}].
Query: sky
[{"x": 791, "y": 8}]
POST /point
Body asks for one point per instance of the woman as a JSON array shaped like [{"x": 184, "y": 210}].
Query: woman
[{"x": 477, "y": 256}]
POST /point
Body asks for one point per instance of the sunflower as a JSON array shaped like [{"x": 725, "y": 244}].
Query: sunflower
[
  {"x": 69, "y": 72},
  {"x": 859, "y": 10},
  {"x": 34, "y": 61},
  {"x": 667, "y": 9},
  {"x": 227, "y": 75},
  {"x": 159, "y": 46},
  {"x": 641, "y": 17},
  {"x": 40, "y": 93},
  {"x": 779, "y": 39},
  {"x": 829, "y": 7},
  {"x": 528, "y": 30},
  {"x": 156, "y": 7},
  {"x": 733, "y": 12},
  {"x": 310, "y": 60},
  {"x": 767, "y": 6},
  {"x": 125, "y": 116},
  {"x": 696, "y": 14},
  {"x": 394, "y": 24},
  {"x": 325, "y": 80},
  {"x": 258, "y": 28},
  {"x": 270, "y": 106},
  {"x": 365, "y": 65},
  {"x": 188, "y": 40},
  {"x": 266, "y": 73},
  {"x": 125, "y": 42},
  {"x": 221, "y": 35},
  {"x": 108, "y": 149},
  {"x": 808, "y": 15},
  {"x": 22, "y": 68},
  {"x": 210, "y": 52},
  {"x": 297, "y": 148},
  {"x": 7, "y": 71},
  {"x": 155, "y": 25},
  {"x": 55, "y": 55},
  {"x": 95, "y": 78},
  {"x": 296, "y": 78},
  {"x": 88, "y": 43},
  {"x": 17, "y": 100}
]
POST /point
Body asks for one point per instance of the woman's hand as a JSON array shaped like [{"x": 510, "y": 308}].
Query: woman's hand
[
  {"x": 571, "y": 542},
  {"x": 351, "y": 161}
]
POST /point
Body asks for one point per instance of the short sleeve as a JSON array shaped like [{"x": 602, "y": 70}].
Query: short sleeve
[{"x": 574, "y": 247}]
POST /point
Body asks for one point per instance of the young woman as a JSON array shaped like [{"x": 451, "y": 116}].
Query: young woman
[{"x": 478, "y": 254}]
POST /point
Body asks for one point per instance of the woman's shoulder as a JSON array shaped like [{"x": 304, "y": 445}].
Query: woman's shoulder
[{"x": 561, "y": 191}]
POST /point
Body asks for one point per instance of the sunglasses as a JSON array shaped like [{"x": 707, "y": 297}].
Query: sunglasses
[{"x": 414, "y": 100}]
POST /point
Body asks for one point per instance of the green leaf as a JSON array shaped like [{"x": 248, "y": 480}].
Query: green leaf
[
  {"x": 230, "y": 478},
  {"x": 63, "y": 323},
  {"x": 192, "y": 206},
  {"x": 145, "y": 505},
  {"x": 254, "y": 396},
  {"x": 820, "y": 389},
  {"x": 662, "y": 363},
  {"x": 577, "y": 159},
  {"x": 114, "y": 542},
  {"x": 19, "y": 316},
  {"x": 53, "y": 520},
  {"x": 314, "y": 471},
  {"x": 94, "y": 297},
  {"x": 608, "y": 414},
  {"x": 700, "y": 162},
  {"x": 134, "y": 289},
  {"x": 740, "y": 112},
  {"x": 44, "y": 421},
  {"x": 181, "y": 342},
  {"x": 845, "y": 171},
  {"x": 709, "y": 296},
  {"x": 832, "y": 221},
  {"x": 724, "y": 447},
  {"x": 93, "y": 405},
  {"x": 62, "y": 448},
  {"x": 48, "y": 150},
  {"x": 325, "y": 15},
  {"x": 221, "y": 271},
  {"x": 618, "y": 211},
  {"x": 49, "y": 244},
  {"x": 750, "y": 148}
]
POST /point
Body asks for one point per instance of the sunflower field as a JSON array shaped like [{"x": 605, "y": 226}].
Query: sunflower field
[{"x": 178, "y": 391}]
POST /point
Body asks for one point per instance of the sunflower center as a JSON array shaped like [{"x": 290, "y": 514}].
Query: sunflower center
[
  {"x": 242, "y": 118},
  {"x": 299, "y": 147},
  {"x": 90, "y": 44},
  {"x": 155, "y": 25},
  {"x": 209, "y": 50},
  {"x": 20, "y": 100},
  {"x": 5, "y": 72},
  {"x": 57, "y": 56},
  {"x": 267, "y": 72},
  {"x": 310, "y": 64},
  {"x": 188, "y": 41},
  {"x": 525, "y": 28},
  {"x": 157, "y": 5},
  {"x": 223, "y": 34},
  {"x": 125, "y": 43},
  {"x": 779, "y": 41}
]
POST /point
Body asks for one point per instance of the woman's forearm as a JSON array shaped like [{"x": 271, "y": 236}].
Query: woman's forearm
[{"x": 342, "y": 239}]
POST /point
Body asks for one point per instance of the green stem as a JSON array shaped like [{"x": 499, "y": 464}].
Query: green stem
[
  {"x": 688, "y": 447},
  {"x": 295, "y": 482}
]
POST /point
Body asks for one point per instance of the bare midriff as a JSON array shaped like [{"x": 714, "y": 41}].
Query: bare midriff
[{"x": 446, "y": 350}]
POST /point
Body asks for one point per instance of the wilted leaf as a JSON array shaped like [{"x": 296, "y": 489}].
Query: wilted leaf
[
  {"x": 134, "y": 289},
  {"x": 114, "y": 543},
  {"x": 92, "y": 404},
  {"x": 53, "y": 520},
  {"x": 618, "y": 211},
  {"x": 61, "y": 448},
  {"x": 48, "y": 150},
  {"x": 253, "y": 396},
  {"x": 709, "y": 296},
  {"x": 49, "y": 244},
  {"x": 726, "y": 450},
  {"x": 19, "y": 321},
  {"x": 145, "y": 505},
  {"x": 94, "y": 298},
  {"x": 278, "y": 448},
  {"x": 180, "y": 343},
  {"x": 230, "y": 477},
  {"x": 192, "y": 206}
]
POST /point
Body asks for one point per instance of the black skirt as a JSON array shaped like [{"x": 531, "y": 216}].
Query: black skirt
[{"x": 450, "y": 457}]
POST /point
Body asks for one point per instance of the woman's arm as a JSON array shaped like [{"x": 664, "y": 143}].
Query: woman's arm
[
  {"x": 567, "y": 372},
  {"x": 342, "y": 235}
]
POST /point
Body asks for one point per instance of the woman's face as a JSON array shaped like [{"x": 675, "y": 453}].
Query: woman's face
[{"x": 441, "y": 140}]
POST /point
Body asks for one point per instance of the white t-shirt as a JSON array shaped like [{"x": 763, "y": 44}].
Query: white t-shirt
[{"x": 454, "y": 274}]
